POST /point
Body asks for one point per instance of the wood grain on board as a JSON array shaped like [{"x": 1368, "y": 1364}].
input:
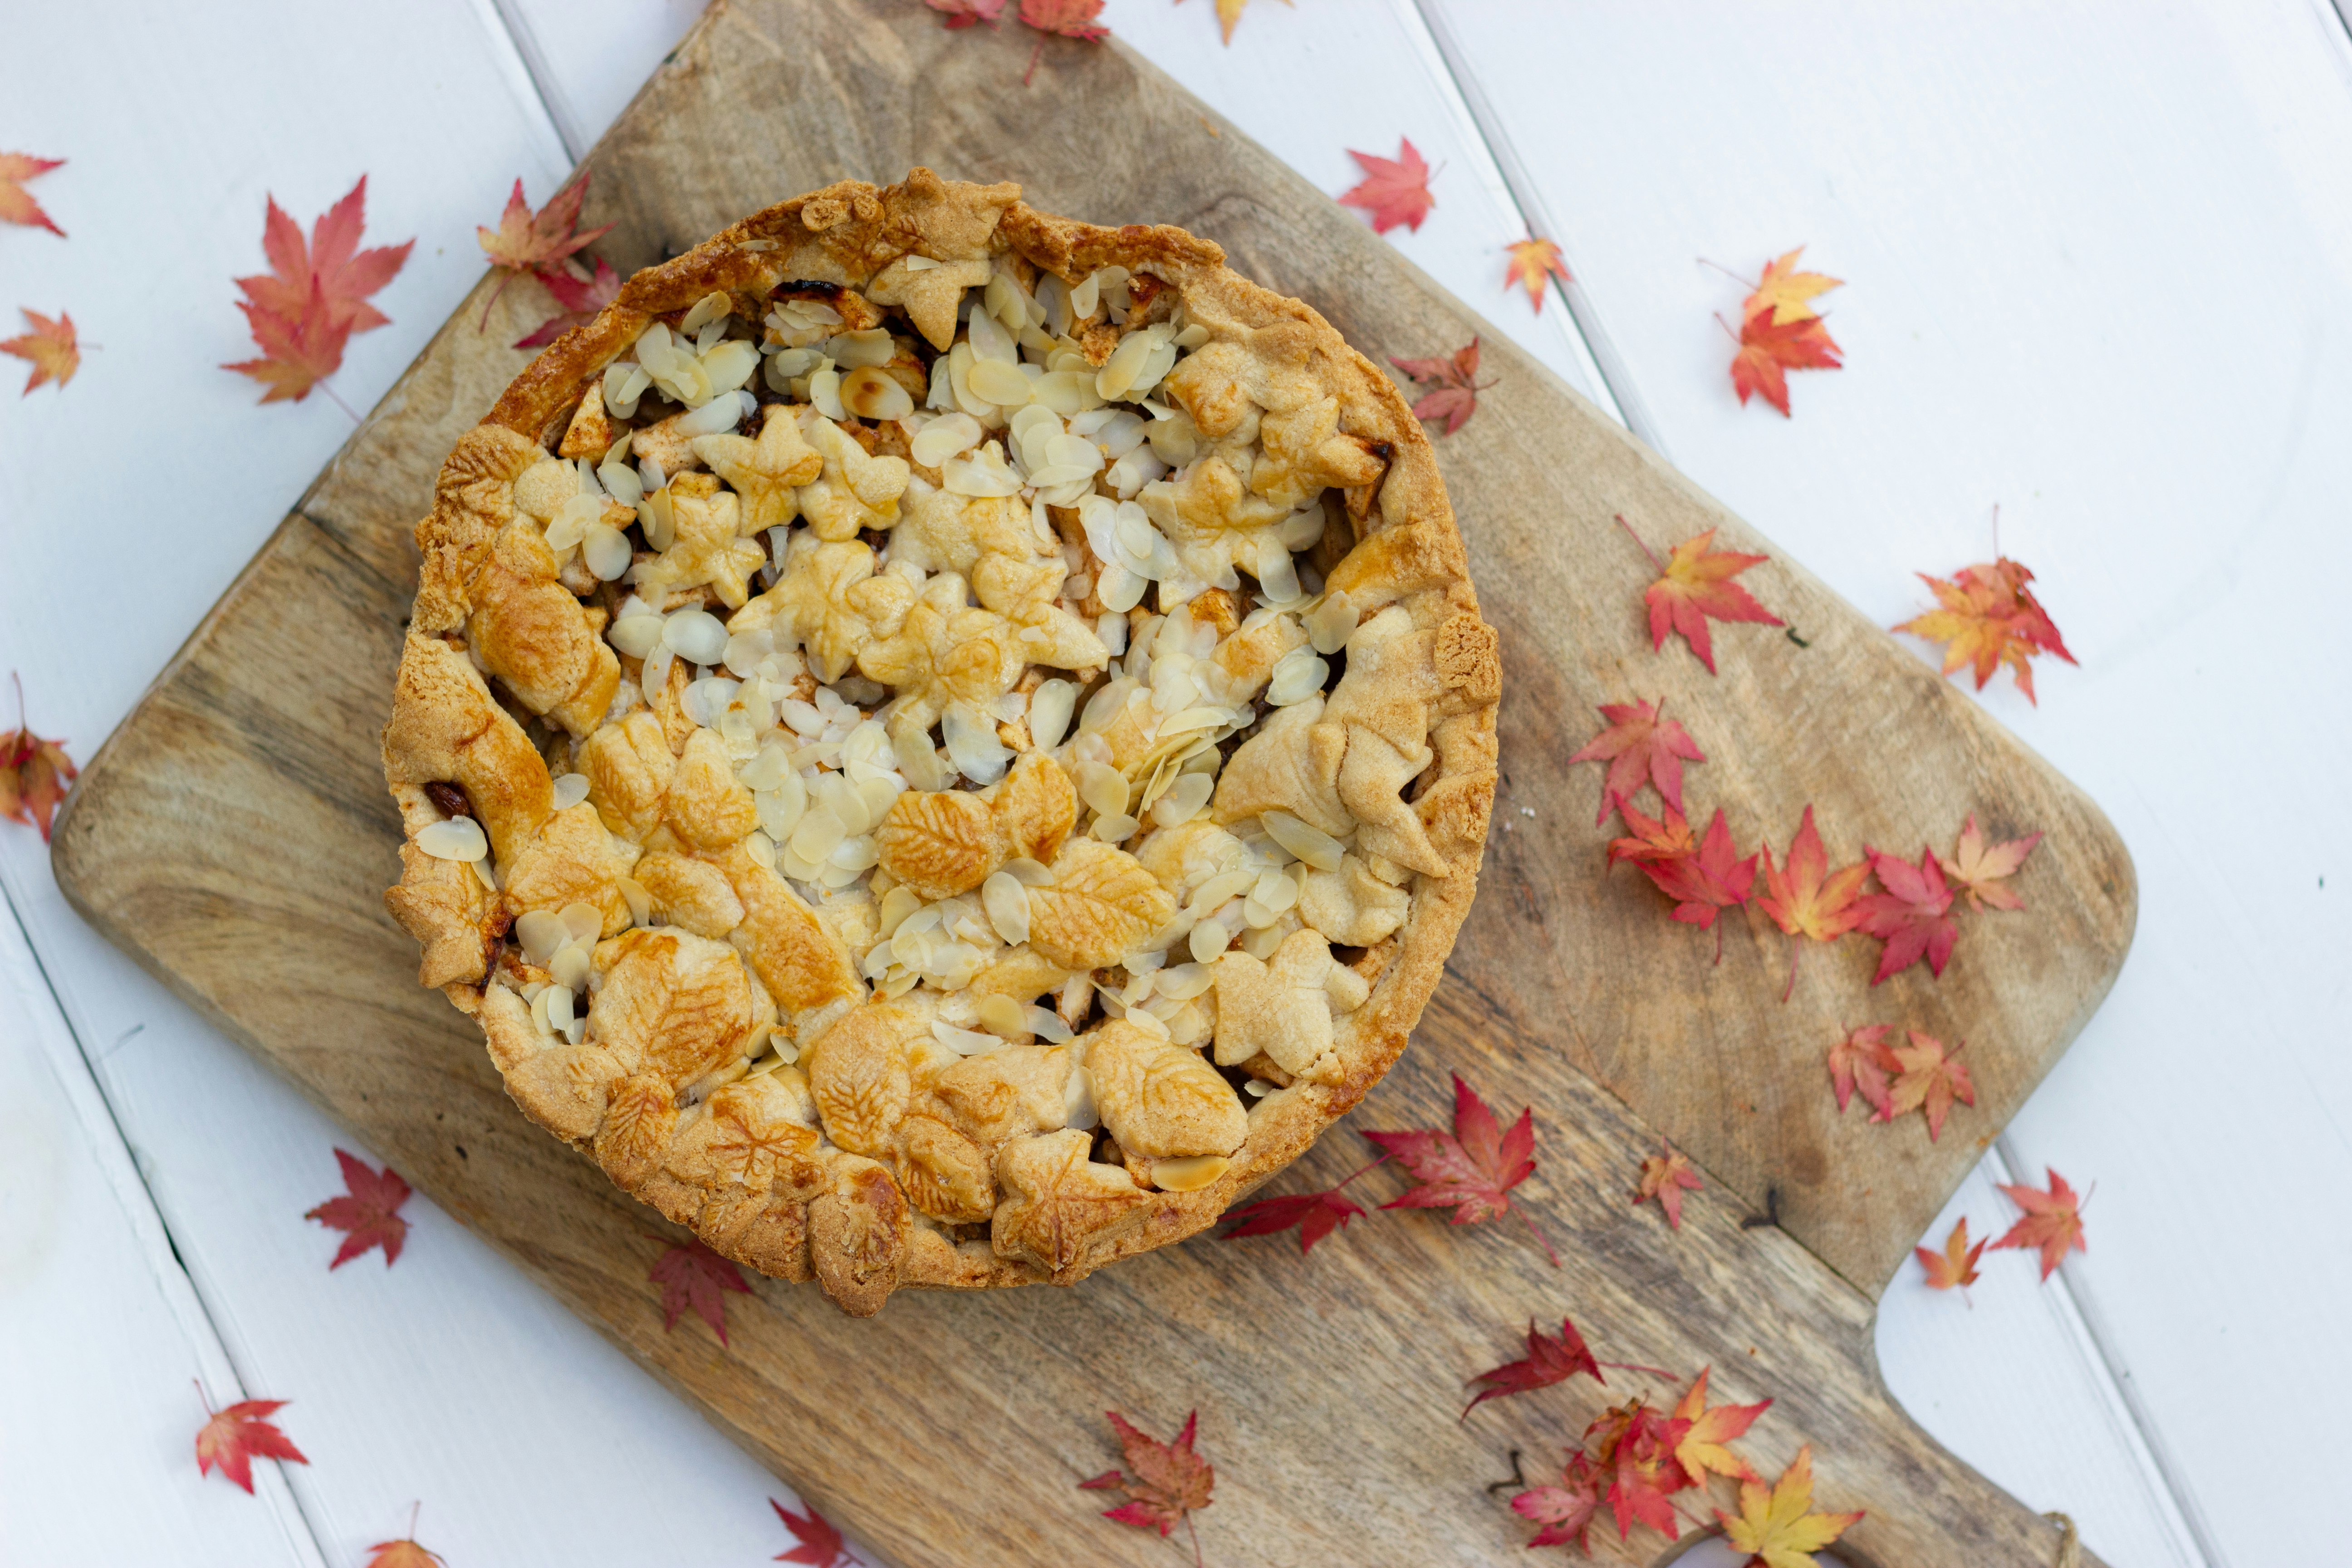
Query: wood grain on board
[{"x": 235, "y": 838}]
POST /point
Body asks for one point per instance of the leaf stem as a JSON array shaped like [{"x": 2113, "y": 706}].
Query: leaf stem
[
  {"x": 1726, "y": 326},
  {"x": 1637, "y": 1366},
  {"x": 1728, "y": 272},
  {"x": 1193, "y": 1531},
  {"x": 1636, "y": 538},
  {"x": 334, "y": 397},
  {"x": 1360, "y": 1170},
  {"x": 1539, "y": 1236}
]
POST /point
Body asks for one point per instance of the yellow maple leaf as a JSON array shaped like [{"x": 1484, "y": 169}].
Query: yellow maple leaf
[
  {"x": 1787, "y": 293},
  {"x": 1229, "y": 15},
  {"x": 1535, "y": 262},
  {"x": 52, "y": 348},
  {"x": 1779, "y": 1526}
]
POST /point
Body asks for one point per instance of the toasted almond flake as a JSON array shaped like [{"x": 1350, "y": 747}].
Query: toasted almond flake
[
  {"x": 1001, "y": 1014},
  {"x": 1184, "y": 799},
  {"x": 1001, "y": 382},
  {"x": 583, "y": 922},
  {"x": 540, "y": 933},
  {"x": 1312, "y": 845},
  {"x": 990, "y": 341},
  {"x": 1049, "y": 712},
  {"x": 458, "y": 839},
  {"x": 875, "y": 394},
  {"x": 1262, "y": 941},
  {"x": 944, "y": 437},
  {"x": 697, "y": 635},
  {"x": 557, "y": 1001},
  {"x": 1116, "y": 829},
  {"x": 570, "y": 966},
  {"x": 817, "y": 834},
  {"x": 640, "y": 902},
  {"x": 1330, "y": 623},
  {"x": 972, "y": 744},
  {"x": 1102, "y": 788},
  {"x": 1007, "y": 902}
]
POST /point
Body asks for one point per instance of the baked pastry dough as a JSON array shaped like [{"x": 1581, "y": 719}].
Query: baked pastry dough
[{"x": 942, "y": 745}]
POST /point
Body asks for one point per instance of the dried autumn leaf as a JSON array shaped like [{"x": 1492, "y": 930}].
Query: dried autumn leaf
[
  {"x": 1229, "y": 15},
  {"x": 966, "y": 14},
  {"x": 1702, "y": 882},
  {"x": 1566, "y": 1511},
  {"x": 368, "y": 1212},
  {"x": 1472, "y": 1168},
  {"x": 16, "y": 203},
  {"x": 1664, "y": 1175},
  {"x": 581, "y": 297},
  {"x": 1455, "y": 389},
  {"x": 234, "y": 1438},
  {"x": 1393, "y": 190},
  {"x": 1536, "y": 264},
  {"x": 1980, "y": 873},
  {"x": 1636, "y": 1451},
  {"x": 331, "y": 265},
  {"x": 1167, "y": 1482},
  {"x": 1551, "y": 1358},
  {"x": 694, "y": 1276},
  {"x": 1694, "y": 584},
  {"x": 296, "y": 355},
  {"x": 1956, "y": 1265},
  {"x": 1987, "y": 616},
  {"x": 527, "y": 241},
  {"x": 52, "y": 348},
  {"x": 1769, "y": 351},
  {"x": 405, "y": 1553},
  {"x": 1317, "y": 1215},
  {"x": 1665, "y": 841},
  {"x": 1787, "y": 293},
  {"x": 1780, "y": 1527},
  {"x": 1912, "y": 917},
  {"x": 2052, "y": 1221},
  {"x": 1863, "y": 1061},
  {"x": 1642, "y": 748},
  {"x": 1063, "y": 19},
  {"x": 1809, "y": 902},
  {"x": 1927, "y": 1080},
  {"x": 1701, "y": 1448},
  {"x": 815, "y": 1541},
  {"x": 34, "y": 774}
]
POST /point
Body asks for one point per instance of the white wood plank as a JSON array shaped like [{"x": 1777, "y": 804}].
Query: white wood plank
[
  {"x": 2098, "y": 258},
  {"x": 102, "y": 1345}
]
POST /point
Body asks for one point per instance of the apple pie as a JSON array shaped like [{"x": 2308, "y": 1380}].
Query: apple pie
[{"x": 942, "y": 744}]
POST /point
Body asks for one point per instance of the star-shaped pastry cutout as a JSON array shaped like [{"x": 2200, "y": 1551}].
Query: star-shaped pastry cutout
[
  {"x": 1306, "y": 455},
  {"x": 708, "y": 546},
  {"x": 855, "y": 490},
  {"x": 764, "y": 472},
  {"x": 1214, "y": 522},
  {"x": 1060, "y": 1201},
  {"x": 1025, "y": 593},
  {"x": 946, "y": 651},
  {"x": 930, "y": 295},
  {"x": 1280, "y": 1008},
  {"x": 829, "y": 600},
  {"x": 940, "y": 530}
]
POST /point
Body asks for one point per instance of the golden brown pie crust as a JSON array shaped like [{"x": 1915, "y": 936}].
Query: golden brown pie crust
[{"x": 858, "y": 1151}]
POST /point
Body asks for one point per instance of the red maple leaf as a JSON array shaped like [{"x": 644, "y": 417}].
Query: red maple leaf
[
  {"x": 1474, "y": 1167},
  {"x": 1987, "y": 616},
  {"x": 16, "y": 203},
  {"x": 1980, "y": 873},
  {"x": 1664, "y": 1176},
  {"x": 1770, "y": 349},
  {"x": 1925, "y": 1080},
  {"x": 694, "y": 1276},
  {"x": 1455, "y": 392},
  {"x": 2052, "y": 1221},
  {"x": 233, "y": 1438},
  {"x": 297, "y": 354},
  {"x": 1956, "y": 1263},
  {"x": 1912, "y": 917},
  {"x": 1702, "y": 883},
  {"x": 52, "y": 348},
  {"x": 1061, "y": 20},
  {"x": 369, "y": 1211},
  {"x": 1550, "y": 1358},
  {"x": 1701, "y": 1448},
  {"x": 526, "y": 241},
  {"x": 581, "y": 297},
  {"x": 1640, "y": 748},
  {"x": 1695, "y": 583},
  {"x": 815, "y": 1541},
  {"x": 1636, "y": 1451},
  {"x": 1317, "y": 1215},
  {"x": 1862, "y": 1061},
  {"x": 1169, "y": 1480},
  {"x": 967, "y": 12},
  {"x": 1566, "y": 1511},
  {"x": 1393, "y": 190},
  {"x": 1809, "y": 902},
  {"x": 332, "y": 264},
  {"x": 34, "y": 774},
  {"x": 1666, "y": 841},
  {"x": 1536, "y": 264}
]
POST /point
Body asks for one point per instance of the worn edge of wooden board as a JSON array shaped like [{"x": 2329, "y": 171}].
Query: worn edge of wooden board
[{"x": 188, "y": 666}]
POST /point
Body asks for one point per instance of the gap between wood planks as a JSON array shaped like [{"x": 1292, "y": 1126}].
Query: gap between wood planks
[{"x": 101, "y": 1131}]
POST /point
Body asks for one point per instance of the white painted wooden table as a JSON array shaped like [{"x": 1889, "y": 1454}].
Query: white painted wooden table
[{"x": 2100, "y": 265}]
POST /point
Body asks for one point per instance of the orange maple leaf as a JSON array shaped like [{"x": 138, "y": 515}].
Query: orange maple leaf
[
  {"x": 1170, "y": 1479},
  {"x": 1956, "y": 1265},
  {"x": 1770, "y": 350},
  {"x": 1229, "y": 15},
  {"x": 1534, "y": 263},
  {"x": 16, "y": 203},
  {"x": 33, "y": 773},
  {"x": 1988, "y": 616},
  {"x": 1702, "y": 1448},
  {"x": 1778, "y": 1527},
  {"x": 297, "y": 354},
  {"x": 1636, "y": 1451},
  {"x": 815, "y": 1541},
  {"x": 404, "y": 1552},
  {"x": 1393, "y": 190},
  {"x": 234, "y": 1438},
  {"x": 52, "y": 348},
  {"x": 526, "y": 241},
  {"x": 1927, "y": 1080},
  {"x": 306, "y": 307},
  {"x": 1862, "y": 1060},
  {"x": 1664, "y": 1176},
  {"x": 368, "y": 1213},
  {"x": 1980, "y": 873},
  {"x": 2052, "y": 1221},
  {"x": 1787, "y": 293},
  {"x": 1809, "y": 901},
  {"x": 1695, "y": 583},
  {"x": 1640, "y": 748}
]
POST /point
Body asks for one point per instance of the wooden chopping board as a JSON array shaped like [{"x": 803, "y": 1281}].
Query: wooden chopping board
[{"x": 235, "y": 836}]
